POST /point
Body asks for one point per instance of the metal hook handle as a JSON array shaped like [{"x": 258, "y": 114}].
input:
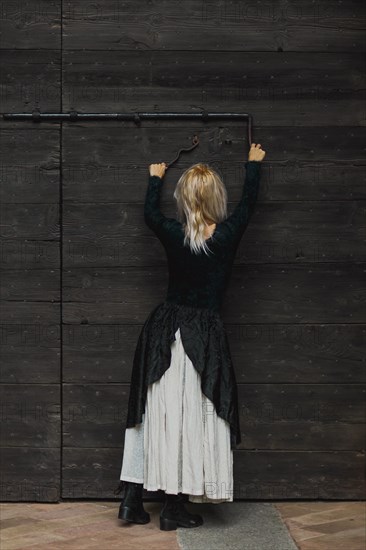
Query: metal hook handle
[{"x": 195, "y": 142}]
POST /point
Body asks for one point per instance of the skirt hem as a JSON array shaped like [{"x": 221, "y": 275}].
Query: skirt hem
[{"x": 194, "y": 493}]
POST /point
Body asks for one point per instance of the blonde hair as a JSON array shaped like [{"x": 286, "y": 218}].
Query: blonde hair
[{"x": 201, "y": 200}]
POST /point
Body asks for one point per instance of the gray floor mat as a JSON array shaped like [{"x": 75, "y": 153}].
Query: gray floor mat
[{"x": 236, "y": 526}]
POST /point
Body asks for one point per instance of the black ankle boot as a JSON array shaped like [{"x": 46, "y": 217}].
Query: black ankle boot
[
  {"x": 131, "y": 508},
  {"x": 174, "y": 514}
]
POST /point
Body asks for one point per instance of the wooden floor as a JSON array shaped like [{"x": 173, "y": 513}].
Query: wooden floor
[
  {"x": 94, "y": 525},
  {"x": 325, "y": 525}
]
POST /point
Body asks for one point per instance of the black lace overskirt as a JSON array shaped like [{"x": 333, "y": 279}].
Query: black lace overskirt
[{"x": 206, "y": 344}]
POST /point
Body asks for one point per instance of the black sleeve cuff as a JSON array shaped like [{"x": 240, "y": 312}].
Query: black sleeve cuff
[{"x": 253, "y": 163}]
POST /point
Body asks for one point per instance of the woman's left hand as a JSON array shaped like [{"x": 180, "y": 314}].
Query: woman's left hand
[{"x": 158, "y": 169}]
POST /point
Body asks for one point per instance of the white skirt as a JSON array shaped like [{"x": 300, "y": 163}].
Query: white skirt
[{"x": 181, "y": 445}]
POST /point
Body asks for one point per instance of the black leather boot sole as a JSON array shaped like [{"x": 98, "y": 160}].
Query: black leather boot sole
[{"x": 172, "y": 525}]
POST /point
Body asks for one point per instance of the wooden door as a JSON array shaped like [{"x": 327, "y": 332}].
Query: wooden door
[{"x": 81, "y": 271}]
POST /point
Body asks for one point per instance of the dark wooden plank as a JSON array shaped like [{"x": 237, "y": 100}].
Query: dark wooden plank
[
  {"x": 258, "y": 475},
  {"x": 30, "y": 163},
  {"x": 30, "y": 474},
  {"x": 31, "y": 24},
  {"x": 111, "y": 165},
  {"x": 31, "y": 362},
  {"x": 42, "y": 315},
  {"x": 29, "y": 193},
  {"x": 24, "y": 125},
  {"x": 24, "y": 253},
  {"x": 287, "y": 89},
  {"x": 285, "y": 180},
  {"x": 100, "y": 235},
  {"x": 105, "y": 353},
  {"x": 298, "y": 353},
  {"x": 31, "y": 415},
  {"x": 39, "y": 285},
  {"x": 135, "y": 148},
  {"x": 214, "y": 26},
  {"x": 307, "y": 293},
  {"x": 305, "y": 232},
  {"x": 302, "y": 435},
  {"x": 30, "y": 344},
  {"x": 30, "y": 213},
  {"x": 311, "y": 404},
  {"x": 261, "y": 353},
  {"x": 138, "y": 297},
  {"x": 30, "y": 80},
  {"x": 90, "y": 473},
  {"x": 35, "y": 221},
  {"x": 312, "y": 475},
  {"x": 321, "y": 293},
  {"x": 93, "y": 415}
]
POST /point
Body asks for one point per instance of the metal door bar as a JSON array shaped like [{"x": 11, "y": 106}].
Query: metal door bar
[{"x": 73, "y": 116}]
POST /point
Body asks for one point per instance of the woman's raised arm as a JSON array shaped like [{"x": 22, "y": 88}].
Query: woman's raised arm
[
  {"x": 153, "y": 216},
  {"x": 239, "y": 219}
]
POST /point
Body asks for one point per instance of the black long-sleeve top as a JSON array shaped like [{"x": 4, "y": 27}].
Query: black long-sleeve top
[{"x": 200, "y": 280}]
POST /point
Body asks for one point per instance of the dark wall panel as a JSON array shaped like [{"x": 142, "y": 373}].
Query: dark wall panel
[
  {"x": 307, "y": 163},
  {"x": 30, "y": 80},
  {"x": 31, "y": 474},
  {"x": 30, "y": 242},
  {"x": 31, "y": 24},
  {"x": 298, "y": 272},
  {"x": 279, "y": 89},
  {"x": 214, "y": 25},
  {"x": 81, "y": 271},
  {"x": 258, "y": 475}
]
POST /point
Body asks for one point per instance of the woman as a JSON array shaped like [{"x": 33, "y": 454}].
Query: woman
[{"x": 183, "y": 420}]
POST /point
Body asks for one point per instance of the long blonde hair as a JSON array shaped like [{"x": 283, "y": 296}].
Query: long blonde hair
[{"x": 201, "y": 200}]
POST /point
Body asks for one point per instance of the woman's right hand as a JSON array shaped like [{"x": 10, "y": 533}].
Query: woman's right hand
[{"x": 256, "y": 153}]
